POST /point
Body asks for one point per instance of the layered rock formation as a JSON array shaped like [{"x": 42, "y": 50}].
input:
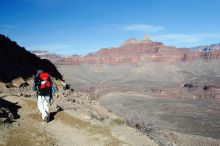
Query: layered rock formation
[
  {"x": 133, "y": 51},
  {"x": 211, "y": 47}
]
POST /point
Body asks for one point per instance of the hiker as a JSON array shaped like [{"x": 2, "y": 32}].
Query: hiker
[{"x": 45, "y": 90}]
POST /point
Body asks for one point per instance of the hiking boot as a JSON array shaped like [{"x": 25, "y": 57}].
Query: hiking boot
[{"x": 46, "y": 119}]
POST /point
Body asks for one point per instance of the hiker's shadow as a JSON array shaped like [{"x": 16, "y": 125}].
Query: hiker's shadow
[
  {"x": 8, "y": 108},
  {"x": 52, "y": 114}
]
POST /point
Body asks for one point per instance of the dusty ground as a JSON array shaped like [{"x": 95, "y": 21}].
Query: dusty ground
[{"x": 65, "y": 129}]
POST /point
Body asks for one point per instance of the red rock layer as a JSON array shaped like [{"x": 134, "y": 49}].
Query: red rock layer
[{"x": 134, "y": 52}]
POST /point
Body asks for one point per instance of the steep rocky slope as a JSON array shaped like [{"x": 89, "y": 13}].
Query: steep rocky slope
[{"x": 16, "y": 61}]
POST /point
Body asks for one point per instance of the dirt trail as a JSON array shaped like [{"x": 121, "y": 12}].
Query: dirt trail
[{"x": 65, "y": 130}]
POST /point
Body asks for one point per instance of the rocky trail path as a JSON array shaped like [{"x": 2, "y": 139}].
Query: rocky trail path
[{"x": 64, "y": 129}]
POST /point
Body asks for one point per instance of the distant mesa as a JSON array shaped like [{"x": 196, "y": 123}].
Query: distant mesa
[
  {"x": 206, "y": 48},
  {"x": 146, "y": 39},
  {"x": 53, "y": 57},
  {"x": 133, "y": 51},
  {"x": 135, "y": 41},
  {"x": 130, "y": 42},
  {"x": 39, "y": 52}
]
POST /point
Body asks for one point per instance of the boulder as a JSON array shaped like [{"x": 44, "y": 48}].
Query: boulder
[
  {"x": 2, "y": 87},
  {"x": 18, "y": 82},
  {"x": 100, "y": 111},
  {"x": 30, "y": 81}
]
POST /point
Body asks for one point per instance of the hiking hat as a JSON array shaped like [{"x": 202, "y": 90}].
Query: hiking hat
[{"x": 38, "y": 72}]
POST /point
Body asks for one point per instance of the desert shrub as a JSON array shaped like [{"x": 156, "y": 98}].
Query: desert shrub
[
  {"x": 144, "y": 122},
  {"x": 118, "y": 121},
  {"x": 6, "y": 116}
]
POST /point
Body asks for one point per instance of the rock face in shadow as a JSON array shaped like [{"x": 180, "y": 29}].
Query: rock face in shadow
[
  {"x": 8, "y": 111},
  {"x": 16, "y": 61}
]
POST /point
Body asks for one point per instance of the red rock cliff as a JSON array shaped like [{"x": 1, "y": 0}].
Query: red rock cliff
[{"x": 134, "y": 51}]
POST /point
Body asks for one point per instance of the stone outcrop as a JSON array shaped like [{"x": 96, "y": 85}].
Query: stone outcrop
[
  {"x": 18, "y": 82},
  {"x": 2, "y": 87}
]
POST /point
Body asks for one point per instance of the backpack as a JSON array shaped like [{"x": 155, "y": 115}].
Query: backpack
[{"x": 45, "y": 84}]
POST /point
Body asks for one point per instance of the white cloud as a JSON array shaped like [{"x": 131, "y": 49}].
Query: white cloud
[
  {"x": 6, "y": 29},
  {"x": 143, "y": 27},
  {"x": 47, "y": 3},
  {"x": 40, "y": 1},
  {"x": 7, "y": 26},
  {"x": 188, "y": 38}
]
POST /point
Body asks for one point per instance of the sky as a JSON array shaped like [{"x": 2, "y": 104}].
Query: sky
[{"x": 84, "y": 26}]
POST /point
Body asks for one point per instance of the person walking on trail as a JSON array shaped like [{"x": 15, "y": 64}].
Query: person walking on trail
[{"x": 45, "y": 90}]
